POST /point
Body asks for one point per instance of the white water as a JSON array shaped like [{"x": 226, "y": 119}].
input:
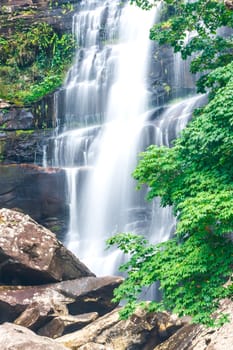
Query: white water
[{"x": 107, "y": 113}]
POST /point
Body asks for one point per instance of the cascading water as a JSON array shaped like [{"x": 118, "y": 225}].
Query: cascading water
[{"x": 107, "y": 122}]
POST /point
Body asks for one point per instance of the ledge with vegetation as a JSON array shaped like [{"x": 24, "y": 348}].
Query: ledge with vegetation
[{"x": 36, "y": 49}]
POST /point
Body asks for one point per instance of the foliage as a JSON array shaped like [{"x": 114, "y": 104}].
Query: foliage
[
  {"x": 194, "y": 28},
  {"x": 33, "y": 62},
  {"x": 191, "y": 274},
  {"x": 195, "y": 177}
]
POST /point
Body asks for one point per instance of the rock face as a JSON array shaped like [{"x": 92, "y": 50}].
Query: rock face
[
  {"x": 36, "y": 191},
  {"x": 20, "y": 338},
  {"x": 142, "y": 331},
  {"x": 54, "y": 13},
  {"x": 31, "y": 254}
]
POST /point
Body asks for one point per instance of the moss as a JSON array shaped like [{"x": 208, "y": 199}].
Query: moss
[
  {"x": 33, "y": 62},
  {"x": 2, "y": 150},
  {"x": 24, "y": 132},
  {"x": 55, "y": 228}
]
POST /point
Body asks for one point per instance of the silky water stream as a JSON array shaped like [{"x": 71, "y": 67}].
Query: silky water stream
[{"x": 108, "y": 120}]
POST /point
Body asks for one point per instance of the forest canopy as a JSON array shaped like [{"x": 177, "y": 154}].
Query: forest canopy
[{"x": 194, "y": 176}]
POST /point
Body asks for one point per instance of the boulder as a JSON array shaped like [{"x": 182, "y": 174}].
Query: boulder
[
  {"x": 91, "y": 294},
  {"x": 142, "y": 331},
  {"x": 20, "y": 338},
  {"x": 229, "y": 4},
  {"x": 66, "y": 324},
  {"x": 31, "y": 254},
  {"x": 35, "y": 306},
  {"x": 31, "y": 306},
  {"x": 196, "y": 337},
  {"x": 38, "y": 313},
  {"x": 182, "y": 339}
]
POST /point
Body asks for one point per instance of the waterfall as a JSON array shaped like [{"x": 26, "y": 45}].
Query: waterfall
[{"x": 108, "y": 120}]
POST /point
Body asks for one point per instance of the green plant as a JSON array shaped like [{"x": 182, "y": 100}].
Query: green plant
[
  {"x": 33, "y": 62},
  {"x": 195, "y": 177}
]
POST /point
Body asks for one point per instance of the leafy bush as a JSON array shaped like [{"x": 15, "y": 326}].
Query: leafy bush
[
  {"x": 195, "y": 176},
  {"x": 36, "y": 60}
]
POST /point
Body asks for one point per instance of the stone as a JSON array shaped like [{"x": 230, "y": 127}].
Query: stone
[
  {"x": 31, "y": 306},
  {"x": 38, "y": 313},
  {"x": 37, "y": 191},
  {"x": 20, "y": 338},
  {"x": 92, "y": 346},
  {"x": 181, "y": 340},
  {"x": 17, "y": 119},
  {"x": 31, "y": 254},
  {"x": 61, "y": 325},
  {"x": 35, "y": 306},
  {"x": 23, "y": 146},
  {"x": 91, "y": 294},
  {"x": 142, "y": 331},
  {"x": 229, "y": 4},
  {"x": 197, "y": 337}
]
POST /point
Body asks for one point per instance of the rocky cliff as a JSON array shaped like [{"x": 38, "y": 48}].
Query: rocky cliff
[{"x": 24, "y": 130}]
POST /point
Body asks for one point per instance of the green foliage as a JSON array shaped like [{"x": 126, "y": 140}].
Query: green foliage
[
  {"x": 33, "y": 62},
  {"x": 195, "y": 177},
  {"x": 191, "y": 274},
  {"x": 208, "y": 47}
]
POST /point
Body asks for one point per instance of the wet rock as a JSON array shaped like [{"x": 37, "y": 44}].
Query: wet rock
[
  {"x": 35, "y": 306},
  {"x": 31, "y": 254},
  {"x": 20, "y": 338},
  {"x": 66, "y": 324},
  {"x": 142, "y": 331},
  {"x": 23, "y": 146},
  {"x": 16, "y": 119},
  {"x": 39, "y": 192}
]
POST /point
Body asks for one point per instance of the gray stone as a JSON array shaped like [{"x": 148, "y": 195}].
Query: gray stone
[
  {"x": 31, "y": 254},
  {"x": 33, "y": 306},
  {"x": 196, "y": 337},
  {"x": 141, "y": 331},
  {"x": 37, "y": 191},
  {"x": 66, "y": 324},
  {"x": 20, "y": 338}
]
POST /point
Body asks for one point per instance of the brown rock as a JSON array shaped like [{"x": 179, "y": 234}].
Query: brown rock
[
  {"x": 229, "y": 4},
  {"x": 90, "y": 294},
  {"x": 181, "y": 340},
  {"x": 66, "y": 324},
  {"x": 33, "y": 306},
  {"x": 196, "y": 337},
  {"x": 20, "y": 338},
  {"x": 37, "y": 314},
  {"x": 31, "y": 254},
  {"x": 142, "y": 331}
]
